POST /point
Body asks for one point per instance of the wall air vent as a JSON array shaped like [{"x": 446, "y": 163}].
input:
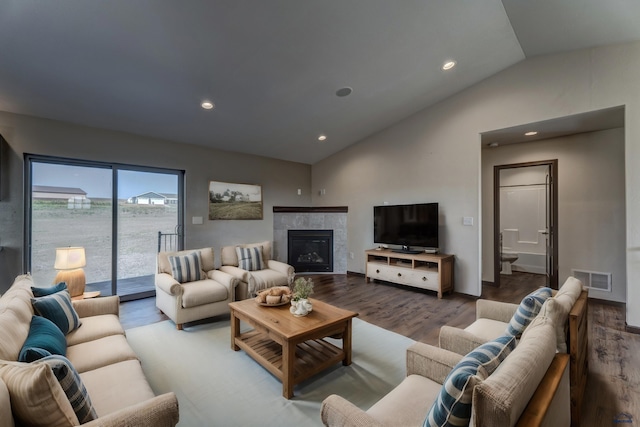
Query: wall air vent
[{"x": 593, "y": 279}]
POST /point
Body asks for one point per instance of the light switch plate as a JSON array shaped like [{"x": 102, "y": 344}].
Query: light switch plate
[
  {"x": 196, "y": 220},
  {"x": 467, "y": 220}
]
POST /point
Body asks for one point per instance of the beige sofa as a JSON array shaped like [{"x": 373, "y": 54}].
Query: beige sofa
[
  {"x": 530, "y": 387},
  {"x": 194, "y": 300},
  {"x": 275, "y": 273},
  {"x": 568, "y": 307},
  {"x": 99, "y": 351}
]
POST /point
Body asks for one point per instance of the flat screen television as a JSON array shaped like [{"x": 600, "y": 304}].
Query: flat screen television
[{"x": 406, "y": 226}]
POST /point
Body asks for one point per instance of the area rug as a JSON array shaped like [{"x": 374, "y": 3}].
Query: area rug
[{"x": 217, "y": 386}]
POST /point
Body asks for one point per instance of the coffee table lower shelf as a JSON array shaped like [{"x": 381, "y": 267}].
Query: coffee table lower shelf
[{"x": 311, "y": 357}]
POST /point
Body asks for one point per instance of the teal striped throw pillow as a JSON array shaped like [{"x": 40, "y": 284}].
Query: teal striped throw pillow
[
  {"x": 58, "y": 308},
  {"x": 250, "y": 259},
  {"x": 453, "y": 405},
  {"x": 74, "y": 389},
  {"x": 187, "y": 268},
  {"x": 527, "y": 310}
]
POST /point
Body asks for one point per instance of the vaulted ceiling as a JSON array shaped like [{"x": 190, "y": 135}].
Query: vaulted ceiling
[{"x": 273, "y": 67}]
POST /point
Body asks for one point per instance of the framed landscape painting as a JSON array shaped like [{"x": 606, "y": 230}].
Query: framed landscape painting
[{"x": 234, "y": 201}]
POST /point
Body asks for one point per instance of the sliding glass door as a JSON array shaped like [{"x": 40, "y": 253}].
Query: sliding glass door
[
  {"x": 115, "y": 212},
  {"x": 70, "y": 206},
  {"x": 147, "y": 205}
]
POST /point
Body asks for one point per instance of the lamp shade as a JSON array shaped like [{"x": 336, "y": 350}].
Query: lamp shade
[{"x": 69, "y": 258}]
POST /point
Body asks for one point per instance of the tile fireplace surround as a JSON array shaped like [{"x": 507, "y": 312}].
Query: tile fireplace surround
[{"x": 306, "y": 218}]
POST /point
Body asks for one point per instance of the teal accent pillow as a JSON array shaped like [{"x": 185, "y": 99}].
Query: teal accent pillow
[
  {"x": 31, "y": 354},
  {"x": 43, "y": 335},
  {"x": 187, "y": 268},
  {"x": 43, "y": 292},
  {"x": 58, "y": 308},
  {"x": 73, "y": 387},
  {"x": 250, "y": 259},
  {"x": 527, "y": 310},
  {"x": 453, "y": 405}
]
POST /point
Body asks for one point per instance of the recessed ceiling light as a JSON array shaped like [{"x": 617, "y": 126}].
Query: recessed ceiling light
[
  {"x": 449, "y": 65},
  {"x": 531, "y": 133},
  {"x": 207, "y": 105},
  {"x": 345, "y": 91},
  {"x": 322, "y": 137}
]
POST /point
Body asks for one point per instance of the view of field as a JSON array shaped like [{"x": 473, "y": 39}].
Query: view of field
[
  {"x": 54, "y": 225},
  {"x": 235, "y": 210}
]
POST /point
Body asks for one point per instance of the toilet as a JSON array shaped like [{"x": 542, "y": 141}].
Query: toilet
[{"x": 507, "y": 259}]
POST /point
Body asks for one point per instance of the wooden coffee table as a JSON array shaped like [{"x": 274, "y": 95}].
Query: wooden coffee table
[{"x": 292, "y": 348}]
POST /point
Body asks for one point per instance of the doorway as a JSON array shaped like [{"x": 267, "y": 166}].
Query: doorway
[{"x": 525, "y": 220}]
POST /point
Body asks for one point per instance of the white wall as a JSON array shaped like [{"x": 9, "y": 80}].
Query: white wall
[
  {"x": 279, "y": 179},
  {"x": 435, "y": 154},
  {"x": 591, "y": 203}
]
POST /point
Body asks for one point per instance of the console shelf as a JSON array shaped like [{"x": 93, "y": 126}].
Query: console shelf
[{"x": 427, "y": 271}]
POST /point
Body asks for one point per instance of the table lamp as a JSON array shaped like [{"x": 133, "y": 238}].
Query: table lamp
[{"x": 69, "y": 262}]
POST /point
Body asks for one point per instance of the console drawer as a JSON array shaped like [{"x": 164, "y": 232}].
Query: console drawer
[
  {"x": 404, "y": 276},
  {"x": 419, "y": 270}
]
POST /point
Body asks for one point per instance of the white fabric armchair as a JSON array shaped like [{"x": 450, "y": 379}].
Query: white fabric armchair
[
  {"x": 250, "y": 282},
  {"x": 207, "y": 293}
]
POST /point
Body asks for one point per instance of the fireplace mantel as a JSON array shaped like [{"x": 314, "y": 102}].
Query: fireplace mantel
[{"x": 311, "y": 209}]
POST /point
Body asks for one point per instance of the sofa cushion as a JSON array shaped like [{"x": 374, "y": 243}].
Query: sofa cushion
[
  {"x": 101, "y": 352},
  {"x": 186, "y": 268},
  {"x": 229, "y": 256},
  {"x": 5, "y": 406},
  {"x": 206, "y": 257},
  {"x": 43, "y": 292},
  {"x": 559, "y": 316},
  {"x": 486, "y": 329},
  {"x": 500, "y": 399},
  {"x": 58, "y": 308},
  {"x": 43, "y": 335},
  {"x": 116, "y": 386},
  {"x": 37, "y": 399},
  {"x": 72, "y": 386},
  {"x": 95, "y": 327},
  {"x": 453, "y": 405},
  {"x": 15, "y": 310},
  {"x": 569, "y": 293},
  {"x": 203, "y": 292},
  {"x": 265, "y": 279},
  {"x": 527, "y": 310},
  {"x": 405, "y": 404},
  {"x": 250, "y": 259}
]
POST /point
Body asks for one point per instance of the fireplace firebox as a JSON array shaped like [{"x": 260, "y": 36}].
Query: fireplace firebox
[{"x": 311, "y": 251}]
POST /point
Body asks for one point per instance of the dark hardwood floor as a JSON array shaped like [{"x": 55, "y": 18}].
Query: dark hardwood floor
[{"x": 613, "y": 387}]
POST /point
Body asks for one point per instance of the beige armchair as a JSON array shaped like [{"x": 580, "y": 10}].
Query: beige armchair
[
  {"x": 251, "y": 281},
  {"x": 530, "y": 388},
  {"x": 192, "y": 289},
  {"x": 568, "y": 309}
]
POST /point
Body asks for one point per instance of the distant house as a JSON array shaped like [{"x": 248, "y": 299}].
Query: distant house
[
  {"x": 65, "y": 193},
  {"x": 153, "y": 198}
]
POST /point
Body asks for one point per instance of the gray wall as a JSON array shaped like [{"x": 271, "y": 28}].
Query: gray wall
[
  {"x": 280, "y": 180},
  {"x": 591, "y": 203},
  {"x": 435, "y": 155}
]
